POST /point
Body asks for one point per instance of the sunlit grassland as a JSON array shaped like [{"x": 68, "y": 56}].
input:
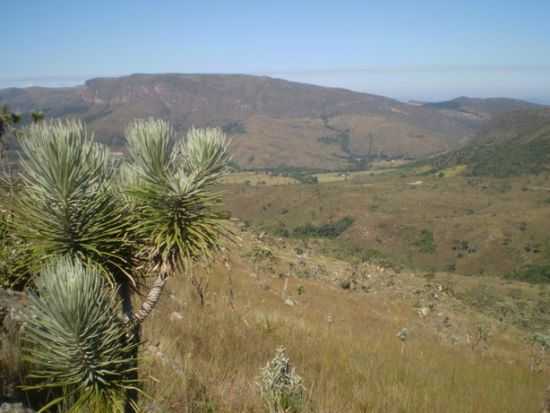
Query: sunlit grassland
[{"x": 344, "y": 345}]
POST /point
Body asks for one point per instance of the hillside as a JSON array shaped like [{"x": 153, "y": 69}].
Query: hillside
[
  {"x": 515, "y": 143},
  {"x": 271, "y": 121},
  {"x": 341, "y": 324},
  {"x": 457, "y": 224},
  {"x": 480, "y": 109}
]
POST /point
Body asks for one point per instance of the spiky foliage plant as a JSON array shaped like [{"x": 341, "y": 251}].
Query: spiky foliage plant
[
  {"x": 281, "y": 388},
  {"x": 75, "y": 341},
  {"x": 168, "y": 186},
  {"x": 154, "y": 215},
  {"x": 67, "y": 205}
]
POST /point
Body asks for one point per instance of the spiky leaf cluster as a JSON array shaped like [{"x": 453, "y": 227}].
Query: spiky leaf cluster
[
  {"x": 75, "y": 340},
  {"x": 67, "y": 205},
  {"x": 169, "y": 187},
  {"x": 281, "y": 388}
]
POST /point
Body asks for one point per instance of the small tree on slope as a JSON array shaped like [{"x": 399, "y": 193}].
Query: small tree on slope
[{"x": 151, "y": 216}]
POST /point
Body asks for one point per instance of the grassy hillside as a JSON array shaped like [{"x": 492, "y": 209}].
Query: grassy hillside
[
  {"x": 517, "y": 143},
  {"x": 475, "y": 108},
  {"x": 455, "y": 223},
  {"x": 341, "y": 340}
]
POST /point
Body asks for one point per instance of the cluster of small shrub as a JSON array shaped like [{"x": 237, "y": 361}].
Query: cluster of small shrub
[
  {"x": 462, "y": 247},
  {"x": 425, "y": 242},
  {"x": 332, "y": 230},
  {"x": 343, "y": 139},
  {"x": 234, "y": 128},
  {"x": 260, "y": 253},
  {"x": 533, "y": 273},
  {"x": 303, "y": 176}
]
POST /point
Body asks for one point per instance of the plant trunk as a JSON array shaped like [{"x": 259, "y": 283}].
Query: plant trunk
[
  {"x": 546, "y": 402},
  {"x": 133, "y": 336},
  {"x": 152, "y": 298}
]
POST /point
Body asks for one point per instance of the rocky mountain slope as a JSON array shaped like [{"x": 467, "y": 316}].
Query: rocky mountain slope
[{"x": 272, "y": 121}]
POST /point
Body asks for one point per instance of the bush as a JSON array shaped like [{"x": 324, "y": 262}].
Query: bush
[
  {"x": 534, "y": 273},
  {"x": 234, "y": 128},
  {"x": 301, "y": 175},
  {"x": 324, "y": 231},
  {"x": 425, "y": 242}
]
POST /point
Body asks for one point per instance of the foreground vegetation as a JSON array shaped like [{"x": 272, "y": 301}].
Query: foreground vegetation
[
  {"x": 343, "y": 344},
  {"x": 84, "y": 236}
]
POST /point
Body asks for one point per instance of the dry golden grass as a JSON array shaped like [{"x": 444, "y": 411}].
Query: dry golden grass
[
  {"x": 343, "y": 344},
  {"x": 257, "y": 178}
]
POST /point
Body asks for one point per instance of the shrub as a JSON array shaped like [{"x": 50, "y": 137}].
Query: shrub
[
  {"x": 425, "y": 242},
  {"x": 534, "y": 273},
  {"x": 280, "y": 387},
  {"x": 323, "y": 231},
  {"x": 260, "y": 254},
  {"x": 234, "y": 128}
]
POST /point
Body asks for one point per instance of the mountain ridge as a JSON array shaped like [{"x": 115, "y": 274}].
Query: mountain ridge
[{"x": 273, "y": 122}]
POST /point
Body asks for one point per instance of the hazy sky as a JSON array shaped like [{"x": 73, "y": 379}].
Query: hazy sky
[{"x": 423, "y": 49}]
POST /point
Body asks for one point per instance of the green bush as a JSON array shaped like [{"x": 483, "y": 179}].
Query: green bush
[
  {"x": 234, "y": 128},
  {"x": 425, "y": 242},
  {"x": 534, "y": 273},
  {"x": 323, "y": 231}
]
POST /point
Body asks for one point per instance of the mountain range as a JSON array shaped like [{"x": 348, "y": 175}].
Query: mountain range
[{"x": 272, "y": 122}]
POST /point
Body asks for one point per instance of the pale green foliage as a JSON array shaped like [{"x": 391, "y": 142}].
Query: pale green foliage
[
  {"x": 158, "y": 213},
  {"x": 204, "y": 153},
  {"x": 281, "y": 388},
  {"x": 75, "y": 341},
  {"x": 169, "y": 187},
  {"x": 67, "y": 206}
]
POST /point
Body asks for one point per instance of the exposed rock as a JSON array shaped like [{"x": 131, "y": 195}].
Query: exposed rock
[
  {"x": 14, "y": 408},
  {"x": 11, "y": 308},
  {"x": 423, "y": 311},
  {"x": 403, "y": 334},
  {"x": 175, "y": 316},
  {"x": 290, "y": 302}
]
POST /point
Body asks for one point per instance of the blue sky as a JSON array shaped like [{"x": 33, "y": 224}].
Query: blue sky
[{"x": 422, "y": 49}]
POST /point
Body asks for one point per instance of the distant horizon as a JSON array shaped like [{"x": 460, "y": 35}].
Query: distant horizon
[
  {"x": 306, "y": 77},
  {"x": 430, "y": 50}
]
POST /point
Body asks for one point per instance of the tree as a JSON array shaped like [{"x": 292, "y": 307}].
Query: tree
[
  {"x": 154, "y": 215},
  {"x": 37, "y": 116},
  {"x": 7, "y": 120}
]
